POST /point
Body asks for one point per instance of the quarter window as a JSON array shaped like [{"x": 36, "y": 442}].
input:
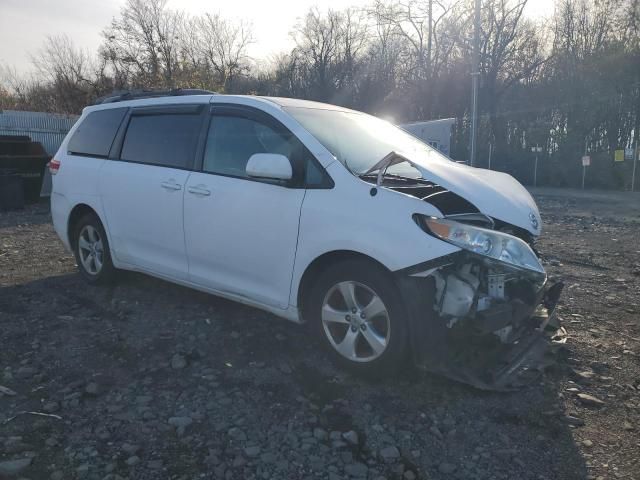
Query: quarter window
[
  {"x": 167, "y": 140},
  {"x": 96, "y": 132}
]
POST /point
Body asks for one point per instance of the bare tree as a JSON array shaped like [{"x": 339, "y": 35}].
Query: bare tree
[
  {"x": 141, "y": 45},
  {"x": 223, "y": 46},
  {"x": 574, "y": 78},
  {"x": 424, "y": 27},
  {"x": 511, "y": 51},
  {"x": 328, "y": 52},
  {"x": 71, "y": 73}
]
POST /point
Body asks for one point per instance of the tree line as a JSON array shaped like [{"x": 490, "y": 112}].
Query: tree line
[{"x": 569, "y": 84}]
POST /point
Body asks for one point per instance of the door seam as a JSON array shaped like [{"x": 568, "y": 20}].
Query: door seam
[
  {"x": 184, "y": 232},
  {"x": 295, "y": 254}
]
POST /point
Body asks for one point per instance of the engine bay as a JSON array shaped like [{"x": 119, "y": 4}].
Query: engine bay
[{"x": 485, "y": 298}]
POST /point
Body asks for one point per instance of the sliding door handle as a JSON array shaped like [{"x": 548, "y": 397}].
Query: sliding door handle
[{"x": 199, "y": 190}]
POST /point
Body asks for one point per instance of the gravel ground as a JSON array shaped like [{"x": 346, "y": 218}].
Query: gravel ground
[{"x": 148, "y": 380}]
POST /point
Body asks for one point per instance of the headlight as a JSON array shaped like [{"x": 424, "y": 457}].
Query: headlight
[{"x": 489, "y": 243}]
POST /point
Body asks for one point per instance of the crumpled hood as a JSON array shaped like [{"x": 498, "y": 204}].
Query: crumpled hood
[{"x": 496, "y": 194}]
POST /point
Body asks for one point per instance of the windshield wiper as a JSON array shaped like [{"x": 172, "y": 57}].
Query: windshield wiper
[{"x": 385, "y": 175}]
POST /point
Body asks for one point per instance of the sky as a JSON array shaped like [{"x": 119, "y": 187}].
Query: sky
[{"x": 24, "y": 24}]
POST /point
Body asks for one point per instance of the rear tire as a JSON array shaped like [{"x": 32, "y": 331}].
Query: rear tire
[
  {"x": 91, "y": 249},
  {"x": 355, "y": 309}
]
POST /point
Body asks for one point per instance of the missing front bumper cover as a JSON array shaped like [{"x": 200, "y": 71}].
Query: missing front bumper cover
[{"x": 479, "y": 358}]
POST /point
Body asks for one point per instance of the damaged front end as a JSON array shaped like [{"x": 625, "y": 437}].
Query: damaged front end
[{"x": 479, "y": 315}]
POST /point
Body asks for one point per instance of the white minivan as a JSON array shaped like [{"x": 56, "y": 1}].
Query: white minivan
[{"x": 315, "y": 213}]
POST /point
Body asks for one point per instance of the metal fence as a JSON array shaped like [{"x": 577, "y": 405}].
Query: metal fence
[{"x": 49, "y": 129}]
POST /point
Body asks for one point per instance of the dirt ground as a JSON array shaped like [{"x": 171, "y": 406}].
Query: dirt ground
[{"x": 148, "y": 380}]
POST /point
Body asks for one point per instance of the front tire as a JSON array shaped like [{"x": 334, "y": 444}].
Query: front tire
[
  {"x": 91, "y": 249},
  {"x": 356, "y": 311}
]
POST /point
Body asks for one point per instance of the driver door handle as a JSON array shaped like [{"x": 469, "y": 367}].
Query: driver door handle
[{"x": 199, "y": 190}]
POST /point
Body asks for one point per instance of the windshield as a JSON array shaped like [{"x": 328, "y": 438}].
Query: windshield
[{"x": 359, "y": 140}]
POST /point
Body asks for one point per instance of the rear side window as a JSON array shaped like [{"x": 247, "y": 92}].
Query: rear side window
[
  {"x": 167, "y": 140},
  {"x": 95, "y": 134}
]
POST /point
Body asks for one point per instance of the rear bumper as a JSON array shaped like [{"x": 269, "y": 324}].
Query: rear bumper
[{"x": 60, "y": 209}]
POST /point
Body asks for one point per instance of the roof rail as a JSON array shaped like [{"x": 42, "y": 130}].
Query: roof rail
[{"x": 123, "y": 95}]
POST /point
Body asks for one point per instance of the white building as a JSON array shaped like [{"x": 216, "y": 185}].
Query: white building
[{"x": 436, "y": 133}]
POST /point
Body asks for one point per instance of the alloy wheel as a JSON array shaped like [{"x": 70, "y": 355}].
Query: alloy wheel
[
  {"x": 90, "y": 249},
  {"x": 356, "y": 321}
]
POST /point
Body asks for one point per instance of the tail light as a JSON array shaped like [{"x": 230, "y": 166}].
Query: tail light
[{"x": 54, "y": 166}]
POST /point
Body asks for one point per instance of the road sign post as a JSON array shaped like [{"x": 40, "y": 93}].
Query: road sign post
[
  {"x": 586, "y": 161},
  {"x": 636, "y": 153},
  {"x": 537, "y": 149},
  {"x": 628, "y": 153}
]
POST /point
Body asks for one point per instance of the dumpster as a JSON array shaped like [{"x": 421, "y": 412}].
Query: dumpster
[
  {"x": 11, "y": 190},
  {"x": 19, "y": 156}
]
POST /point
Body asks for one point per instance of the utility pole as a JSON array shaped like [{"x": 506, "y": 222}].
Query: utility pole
[
  {"x": 430, "y": 36},
  {"x": 475, "y": 79},
  {"x": 636, "y": 134},
  {"x": 490, "y": 148}
]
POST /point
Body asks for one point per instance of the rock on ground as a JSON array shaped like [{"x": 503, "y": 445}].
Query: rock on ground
[{"x": 12, "y": 468}]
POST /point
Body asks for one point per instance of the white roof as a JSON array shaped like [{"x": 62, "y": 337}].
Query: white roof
[
  {"x": 178, "y": 99},
  {"x": 296, "y": 102},
  {"x": 151, "y": 101}
]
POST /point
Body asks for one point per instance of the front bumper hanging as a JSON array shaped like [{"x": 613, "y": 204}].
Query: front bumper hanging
[{"x": 481, "y": 360}]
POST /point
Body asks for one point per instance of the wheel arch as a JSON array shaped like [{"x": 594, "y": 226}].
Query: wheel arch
[
  {"x": 321, "y": 263},
  {"x": 76, "y": 213}
]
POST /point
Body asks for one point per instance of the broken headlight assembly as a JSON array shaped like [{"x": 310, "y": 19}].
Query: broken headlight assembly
[{"x": 502, "y": 247}]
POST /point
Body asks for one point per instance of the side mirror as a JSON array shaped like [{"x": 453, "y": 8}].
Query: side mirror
[{"x": 273, "y": 166}]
